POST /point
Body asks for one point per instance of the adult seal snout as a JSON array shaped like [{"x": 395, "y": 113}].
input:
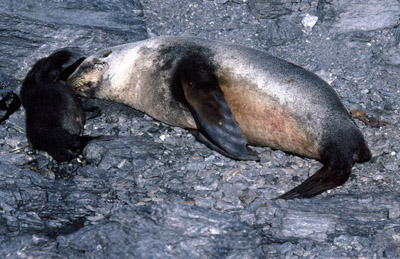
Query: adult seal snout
[{"x": 231, "y": 96}]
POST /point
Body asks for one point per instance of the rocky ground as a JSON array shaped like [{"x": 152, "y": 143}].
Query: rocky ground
[{"x": 153, "y": 191}]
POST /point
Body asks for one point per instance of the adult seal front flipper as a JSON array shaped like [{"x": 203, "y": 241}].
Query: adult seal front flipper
[
  {"x": 216, "y": 125},
  {"x": 324, "y": 179},
  {"x": 222, "y": 135},
  {"x": 252, "y": 155}
]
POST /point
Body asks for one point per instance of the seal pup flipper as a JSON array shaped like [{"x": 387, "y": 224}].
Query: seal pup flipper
[
  {"x": 216, "y": 125},
  {"x": 324, "y": 179}
]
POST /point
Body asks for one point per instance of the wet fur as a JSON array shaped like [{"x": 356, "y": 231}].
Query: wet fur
[{"x": 54, "y": 114}]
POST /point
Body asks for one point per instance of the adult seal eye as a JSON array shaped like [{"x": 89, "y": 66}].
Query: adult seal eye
[
  {"x": 230, "y": 96},
  {"x": 100, "y": 66}
]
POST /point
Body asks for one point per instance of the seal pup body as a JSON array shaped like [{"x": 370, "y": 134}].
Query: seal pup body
[
  {"x": 231, "y": 95},
  {"x": 54, "y": 115}
]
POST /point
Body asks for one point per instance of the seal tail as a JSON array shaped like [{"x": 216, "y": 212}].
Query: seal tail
[{"x": 324, "y": 179}]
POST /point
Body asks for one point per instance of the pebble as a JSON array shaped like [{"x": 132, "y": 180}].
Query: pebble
[{"x": 309, "y": 21}]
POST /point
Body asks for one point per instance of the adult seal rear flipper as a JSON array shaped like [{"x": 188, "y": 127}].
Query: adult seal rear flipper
[
  {"x": 216, "y": 125},
  {"x": 324, "y": 179}
]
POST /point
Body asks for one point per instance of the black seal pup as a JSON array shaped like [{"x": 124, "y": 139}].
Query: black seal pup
[
  {"x": 54, "y": 115},
  {"x": 231, "y": 96}
]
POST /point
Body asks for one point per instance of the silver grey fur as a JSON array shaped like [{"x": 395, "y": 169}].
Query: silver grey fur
[{"x": 139, "y": 74}]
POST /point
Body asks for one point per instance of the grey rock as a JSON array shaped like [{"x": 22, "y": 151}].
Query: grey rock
[
  {"x": 168, "y": 231},
  {"x": 280, "y": 31},
  {"x": 301, "y": 225},
  {"x": 265, "y": 9},
  {"x": 368, "y": 15},
  {"x": 5, "y": 81},
  {"x": 41, "y": 27},
  {"x": 392, "y": 251},
  {"x": 391, "y": 55},
  {"x": 325, "y": 10},
  {"x": 309, "y": 21},
  {"x": 152, "y": 190},
  {"x": 15, "y": 159}
]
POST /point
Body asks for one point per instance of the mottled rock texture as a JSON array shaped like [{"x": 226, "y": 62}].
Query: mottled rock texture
[{"x": 153, "y": 191}]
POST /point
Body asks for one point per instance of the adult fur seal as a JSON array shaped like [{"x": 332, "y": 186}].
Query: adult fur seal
[
  {"x": 231, "y": 95},
  {"x": 54, "y": 114}
]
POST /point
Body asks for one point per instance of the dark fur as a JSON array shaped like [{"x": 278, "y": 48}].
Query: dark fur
[
  {"x": 9, "y": 103},
  {"x": 54, "y": 114},
  {"x": 216, "y": 125}
]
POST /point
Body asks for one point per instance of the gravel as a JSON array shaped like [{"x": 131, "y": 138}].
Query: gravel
[{"x": 152, "y": 190}]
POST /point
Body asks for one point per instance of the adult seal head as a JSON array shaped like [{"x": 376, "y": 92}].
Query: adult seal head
[{"x": 231, "y": 96}]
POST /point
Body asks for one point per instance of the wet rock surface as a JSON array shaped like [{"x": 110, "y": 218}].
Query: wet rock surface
[{"x": 152, "y": 190}]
